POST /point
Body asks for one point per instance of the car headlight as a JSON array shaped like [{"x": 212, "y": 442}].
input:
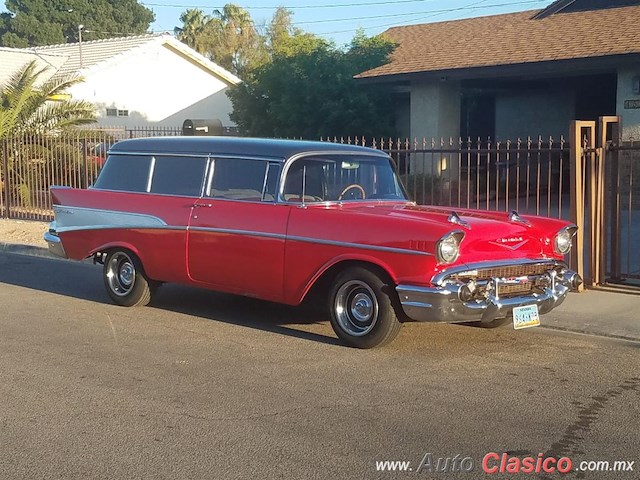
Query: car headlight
[
  {"x": 448, "y": 247},
  {"x": 563, "y": 240}
]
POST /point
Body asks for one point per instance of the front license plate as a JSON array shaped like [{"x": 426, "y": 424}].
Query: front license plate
[{"x": 526, "y": 316}]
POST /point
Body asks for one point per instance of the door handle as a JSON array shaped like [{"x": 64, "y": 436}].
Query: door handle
[{"x": 202, "y": 205}]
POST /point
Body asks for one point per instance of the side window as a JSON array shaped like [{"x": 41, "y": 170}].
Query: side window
[
  {"x": 128, "y": 173},
  {"x": 178, "y": 175},
  {"x": 240, "y": 179},
  {"x": 305, "y": 182}
]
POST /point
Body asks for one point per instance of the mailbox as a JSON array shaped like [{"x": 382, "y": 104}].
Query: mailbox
[{"x": 202, "y": 127}]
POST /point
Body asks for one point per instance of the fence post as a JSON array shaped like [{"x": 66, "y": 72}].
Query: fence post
[
  {"x": 613, "y": 208},
  {"x": 577, "y": 195},
  {"x": 85, "y": 172},
  {"x": 5, "y": 168}
]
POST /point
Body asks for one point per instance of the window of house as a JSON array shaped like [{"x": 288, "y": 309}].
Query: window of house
[
  {"x": 178, "y": 175},
  {"x": 242, "y": 179},
  {"x": 128, "y": 173},
  {"x": 115, "y": 112}
]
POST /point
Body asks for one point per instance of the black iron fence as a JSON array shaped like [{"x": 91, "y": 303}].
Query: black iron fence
[
  {"x": 596, "y": 187},
  {"x": 530, "y": 175},
  {"x": 30, "y": 164},
  {"x": 622, "y": 216}
]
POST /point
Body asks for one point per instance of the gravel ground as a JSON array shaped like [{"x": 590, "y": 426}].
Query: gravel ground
[{"x": 23, "y": 232}]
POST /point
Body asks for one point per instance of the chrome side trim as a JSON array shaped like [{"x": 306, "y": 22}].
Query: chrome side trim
[
  {"x": 248, "y": 233},
  {"x": 76, "y": 218},
  {"x": 91, "y": 219},
  {"x": 319, "y": 241},
  {"x": 360, "y": 246}
]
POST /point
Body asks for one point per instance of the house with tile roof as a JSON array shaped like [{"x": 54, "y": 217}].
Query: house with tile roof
[
  {"x": 517, "y": 75},
  {"x": 138, "y": 80},
  {"x": 12, "y": 60}
]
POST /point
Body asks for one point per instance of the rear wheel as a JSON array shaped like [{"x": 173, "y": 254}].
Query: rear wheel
[
  {"x": 362, "y": 312},
  {"x": 125, "y": 280}
]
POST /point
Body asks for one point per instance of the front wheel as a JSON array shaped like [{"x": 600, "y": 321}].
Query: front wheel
[
  {"x": 125, "y": 280},
  {"x": 362, "y": 312}
]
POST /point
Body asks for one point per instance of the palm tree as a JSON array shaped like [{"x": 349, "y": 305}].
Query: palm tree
[
  {"x": 194, "y": 29},
  {"x": 26, "y": 107},
  {"x": 235, "y": 43},
  {"x": 30, "y": 108}
]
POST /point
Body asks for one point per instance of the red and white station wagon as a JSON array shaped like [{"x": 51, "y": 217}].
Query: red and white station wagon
[{"x": 274, "y": 219}]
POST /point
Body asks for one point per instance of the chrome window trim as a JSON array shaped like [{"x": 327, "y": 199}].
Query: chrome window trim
[
  {"x": 293, "y": 158},
  {"x": 199, "y": 155},
  {"x": 213, "y": 159},
  {"x": 152, "y": 168},
  {"x": 211, "y": 166},
  {"x": 151, "y": 172},
  {"x": 144, "y": 193}
]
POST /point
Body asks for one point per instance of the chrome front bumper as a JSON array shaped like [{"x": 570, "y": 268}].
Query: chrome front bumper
[
  {"x": 53, "y": 242},
  {"x": 448, "y": 301}
]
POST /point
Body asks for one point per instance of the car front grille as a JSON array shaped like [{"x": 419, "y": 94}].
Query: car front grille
[{"x": 511, "y": 280}]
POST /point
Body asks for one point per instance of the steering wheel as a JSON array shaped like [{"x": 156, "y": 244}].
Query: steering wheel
[{"x": 353, "y": 186}]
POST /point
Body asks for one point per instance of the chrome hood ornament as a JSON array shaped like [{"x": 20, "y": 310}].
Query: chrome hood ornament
[
  {"x": 516, "y": 218},
  {"x": 456, "y": 220}
]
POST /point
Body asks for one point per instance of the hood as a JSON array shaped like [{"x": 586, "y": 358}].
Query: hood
[{"x": 487, "y": 235}]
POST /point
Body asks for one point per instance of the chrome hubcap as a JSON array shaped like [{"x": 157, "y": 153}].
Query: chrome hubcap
[
  {"x": 356, "y": 308},
  {"x": 121, "y": 274}
]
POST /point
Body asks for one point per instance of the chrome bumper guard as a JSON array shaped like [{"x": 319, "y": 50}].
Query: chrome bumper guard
[
  {"x": 53, "y": 242},
  {"x": 450, "y": 301}
]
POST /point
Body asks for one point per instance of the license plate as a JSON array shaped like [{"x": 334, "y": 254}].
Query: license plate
[{"x": 526, "y": 316}]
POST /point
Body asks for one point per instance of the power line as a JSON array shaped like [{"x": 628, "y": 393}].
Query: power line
[
  {"x": 297, "y": 7},
  {"x": 396, "y": 15},
  {"x": 435, "y": 13}
]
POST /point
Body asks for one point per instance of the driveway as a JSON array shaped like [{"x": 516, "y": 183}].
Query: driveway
[{"x": 212, "y": 386}]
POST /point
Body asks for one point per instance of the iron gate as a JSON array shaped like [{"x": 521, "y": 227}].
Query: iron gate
[{"x": 605, "y": 203}]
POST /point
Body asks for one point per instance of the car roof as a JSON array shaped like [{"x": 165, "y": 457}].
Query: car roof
[{"x": 254, "y": 147}]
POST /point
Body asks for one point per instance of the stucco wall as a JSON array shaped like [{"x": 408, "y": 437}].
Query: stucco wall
[
  {"x": 157, "y": 86},
  {"x": 435, "y": 110},
  {"x": 530, "y": 114},
  {"x": 630, "y": 116}
]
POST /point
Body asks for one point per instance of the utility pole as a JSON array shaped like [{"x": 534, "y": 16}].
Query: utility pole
[{"x": 80, "y": 27}]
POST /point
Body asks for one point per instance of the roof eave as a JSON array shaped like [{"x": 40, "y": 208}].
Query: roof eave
[{"x": 564, "y": 66}]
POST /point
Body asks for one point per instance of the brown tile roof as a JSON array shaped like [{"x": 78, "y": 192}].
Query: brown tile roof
[{"x": 509, "y": 39}]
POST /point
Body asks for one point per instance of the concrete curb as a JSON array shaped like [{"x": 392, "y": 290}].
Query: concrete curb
[
  {"x": 23, "y": 249},
  {"x": 586, "y": 331}
]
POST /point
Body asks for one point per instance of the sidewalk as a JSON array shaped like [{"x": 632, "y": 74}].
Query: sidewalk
[
  {"x": 598, "y": 312},
  {"x": 594, "y": 312}
]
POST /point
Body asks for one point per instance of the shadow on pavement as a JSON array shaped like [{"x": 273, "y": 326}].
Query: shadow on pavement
[{"x": 84, "y": 281}]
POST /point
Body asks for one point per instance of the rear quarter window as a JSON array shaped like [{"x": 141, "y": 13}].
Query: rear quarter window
[
  {"x": 128, "y": 173},
  {"x": 174, "y": 175}
]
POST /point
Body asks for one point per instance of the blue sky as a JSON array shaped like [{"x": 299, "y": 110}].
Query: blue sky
[{"x": 338, "y": 20}]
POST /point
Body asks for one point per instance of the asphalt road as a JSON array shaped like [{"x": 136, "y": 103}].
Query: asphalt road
[{"x": 209, "y": 386}]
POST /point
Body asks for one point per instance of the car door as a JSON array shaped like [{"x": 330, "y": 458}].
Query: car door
[{"x": 236, "y": 234}]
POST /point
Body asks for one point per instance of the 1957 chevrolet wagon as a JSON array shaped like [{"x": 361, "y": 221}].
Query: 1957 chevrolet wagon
[{"x": 277, "y": 219}]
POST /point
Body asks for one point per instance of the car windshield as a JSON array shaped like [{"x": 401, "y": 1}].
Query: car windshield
[{"x": 329, "y": 178}]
